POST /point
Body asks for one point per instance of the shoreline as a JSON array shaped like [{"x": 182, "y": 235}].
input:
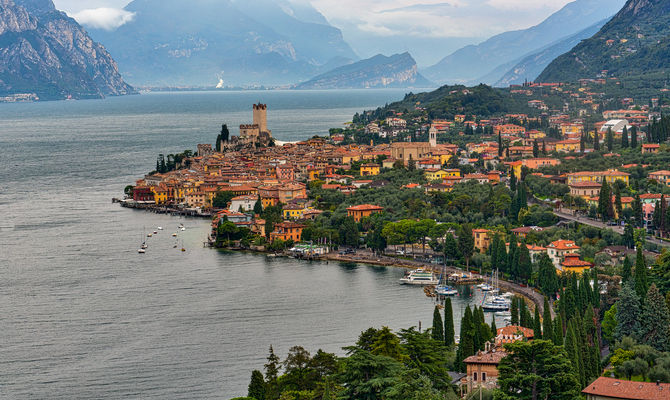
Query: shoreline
[{"x": 366, "y": 258}]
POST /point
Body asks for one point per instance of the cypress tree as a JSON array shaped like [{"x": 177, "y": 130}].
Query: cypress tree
[
  {"x": 512, "y": 181},
  {"x": 604, "y": 201},
  {"x": 537, "y": 324},
  {"x": 628, "y": 312},
  {"x": 466, "y": 346},
  {"x": 655, "y": 321},
  {"x": 572, "y": 348},
  {"x": 626, "y": 270},
  {"x": 449, "y": 331},
  {"x": 558, "y": 331},
  {"x": 256, "y": 386},
  {"x": 609, "y": 139},
  {"x": 595, "y": 293},
  {"x": 513, "y": 257},
  {"x": 624, "y": 138},
  {"x": 525, "y": 263},
  {"x": 438, "y": 327},
  {"x": 641, "y": 281},
  {"x": 494, "y": 329},
  {"x": 633, "y": 137},
  {"x": 596, "y": 141},
  {"x": 547, "y": 328},
  {"x": 582, "y": 143},
  {"x": 515, "y": 311},
  {"x": 524, "y": 315},
  {"x": 536, "y": 149},
  {"x": 271, "y": 375},
  {"x": 544, "y": 148},
  {"x": 617, "y": 201}
]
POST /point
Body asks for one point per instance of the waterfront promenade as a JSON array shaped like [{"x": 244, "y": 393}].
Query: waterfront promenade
[{"x": 368, "y": 257}]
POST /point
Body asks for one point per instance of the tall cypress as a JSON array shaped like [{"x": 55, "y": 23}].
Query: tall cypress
[
  {"x": 573, "y": 349},
  {"x": 466, "y": 346},
  {"x": 537, "y": 324},
  {"x": 558, "y": 331},
  {"x": 438, "y": 327},
  {"x": 494, "y": 328},
  {"x": 624, "y": 138},
  {"x": 596, "y": 141},
  {"x": 609, "y": 139},
  {"x": 633, "y": 137},
  {"x": 449, "y": 331},
  {"x": 547, "y": 328},
  {"x": 641, "y": 281},
  {"x": 626, "y": 271},
  {"x": 515, "y": 311}
]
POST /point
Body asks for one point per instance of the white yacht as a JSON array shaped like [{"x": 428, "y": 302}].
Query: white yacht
[{"x": 420, "y": 277}]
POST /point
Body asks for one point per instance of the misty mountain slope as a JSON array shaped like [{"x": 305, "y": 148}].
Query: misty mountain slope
[
  {"x": 633, "y": 46},
  {"x": 475, "y": 61},
  {"x": 43, "y": 51},
  {"x": 531, "y": 66},
  {"x": 172, "y": 42},
  {"x": 398, "y": 70}
]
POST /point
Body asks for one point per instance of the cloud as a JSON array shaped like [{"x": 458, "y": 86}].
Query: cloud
[{"x": 103, "y": 18}]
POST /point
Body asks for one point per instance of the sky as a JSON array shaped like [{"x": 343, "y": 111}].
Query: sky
[{"x": 383, "y": 26}]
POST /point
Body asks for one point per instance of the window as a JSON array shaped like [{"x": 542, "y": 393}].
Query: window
[
  {"x": 474, "y": 377},
  {"x": 483, "y": 376}
]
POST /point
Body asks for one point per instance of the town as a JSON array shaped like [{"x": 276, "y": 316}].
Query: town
[{"x": 567, "y": 200}]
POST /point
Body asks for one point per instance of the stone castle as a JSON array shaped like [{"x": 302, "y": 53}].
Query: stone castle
[{"x": 257, "y": 133}]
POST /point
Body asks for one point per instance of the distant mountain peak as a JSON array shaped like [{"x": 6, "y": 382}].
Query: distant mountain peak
[
  {"x": 46, "y": 54},
  {"x": 379, "y": 71}
]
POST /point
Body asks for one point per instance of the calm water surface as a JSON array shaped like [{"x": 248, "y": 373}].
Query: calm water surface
[{"x": 82, "y": 315}]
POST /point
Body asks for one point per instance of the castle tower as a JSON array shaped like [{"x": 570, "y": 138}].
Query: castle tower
[
  {"x": 261, "y": 116},
  {"x": 432, "y": 136}
]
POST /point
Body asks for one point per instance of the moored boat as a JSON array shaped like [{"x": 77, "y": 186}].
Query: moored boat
[{"x": 419, "y": 277}]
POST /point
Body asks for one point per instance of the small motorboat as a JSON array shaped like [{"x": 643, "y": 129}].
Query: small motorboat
[
  {"x": 174, "y": 234},
  {"x": 160, "y": 228},
  {"x": 141, "y": 251},
  {"x": 183, "y": 229},
  {"x": 445, "y": 290},
  {"x": 150, "y": 234},
  {"x": 155, "y": 232}
]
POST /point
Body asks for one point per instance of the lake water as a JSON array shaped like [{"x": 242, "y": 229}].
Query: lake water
[{"x": 82, "y": 315}]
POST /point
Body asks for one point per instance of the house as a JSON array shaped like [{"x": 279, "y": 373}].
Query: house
[
  {"x": 610, "y": 176},
  {"x": 287, "y": 231},
  {"x": 513, "y": 333},
  {"x": 482, "y": 239},
  {"x": 509, "y": 130},
  {"x": 661, "y": 177},
  {"x": 650, "y": 148},
  {"x": 559, "y": 248},
  {"x": 364, "y": 210},
  {"x": 429, "y": 163},
  {"x": 481, "y": 178},
  {"x": 434, "y": 174},
  {"x": 482, "y": 370},
  {"x": 572, "y": 263},
  {"x": 523, "y": 231},
  {"x": 294, "y": 211},
  {"x": 370, "y": 169},
  {"x": 567, "y": 146},
  {"x": 605, "y": 388},
  {"x": 585, "y": 189}
]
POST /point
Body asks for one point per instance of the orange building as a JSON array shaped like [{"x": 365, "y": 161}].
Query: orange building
[
  {"x": 650, "y": 148},
  {"x": 287, "y": 231},
  {"x": 364, "y": 210},
  {"x": 482, "y": 239},
  {"x": 572, "y": 263},
  {"x": 513, "y": 333},
  {"x": 482, "y": 370},
  {"x": 509, "y": 130}
]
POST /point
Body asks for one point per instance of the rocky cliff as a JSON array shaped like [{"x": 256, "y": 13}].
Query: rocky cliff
[
  {"x": 46, "y": 53},
  {"x": 398, "y": 70}
]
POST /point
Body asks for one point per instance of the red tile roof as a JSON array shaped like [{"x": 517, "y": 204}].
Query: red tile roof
[
  {"x": 492, "y": 357},
  {"x": 620, "y": 389}
]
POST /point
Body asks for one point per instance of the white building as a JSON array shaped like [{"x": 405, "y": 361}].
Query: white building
[{"x": 246, "y": 203}]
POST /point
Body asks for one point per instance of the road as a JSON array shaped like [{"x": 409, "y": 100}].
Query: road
[{"x": 618, "y": 229}]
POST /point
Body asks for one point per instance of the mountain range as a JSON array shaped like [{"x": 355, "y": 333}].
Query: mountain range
[
  {"x": 398, "y": 70},
  {"x": 490, "y": 60},
  {"x": 633, "y": 46},
  {"x": 199, "y": 42},
  {"x": 47, "y": 54}
]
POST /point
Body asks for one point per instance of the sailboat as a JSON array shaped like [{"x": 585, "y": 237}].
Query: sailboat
[
  {"x": 442, "y": 288},
  {"x": 495, "y": 302}
]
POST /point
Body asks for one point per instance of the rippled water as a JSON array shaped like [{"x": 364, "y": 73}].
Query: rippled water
[{"x": 82, "y": 315}]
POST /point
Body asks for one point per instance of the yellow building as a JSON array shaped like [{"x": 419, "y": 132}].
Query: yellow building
[
  {"x": 573, "y": 264},
  {"x": 482, "y": 239},
  {"x": 435, "y": 174},
  {"x": 568, "y": 146},
  {"x": 160, "y": 194},
  {"x": 453, "y": 173},
  {"x": 370, "y": 169},
  {"x": 610, "y": 176},
  {"x": 295, "y": 212}
]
